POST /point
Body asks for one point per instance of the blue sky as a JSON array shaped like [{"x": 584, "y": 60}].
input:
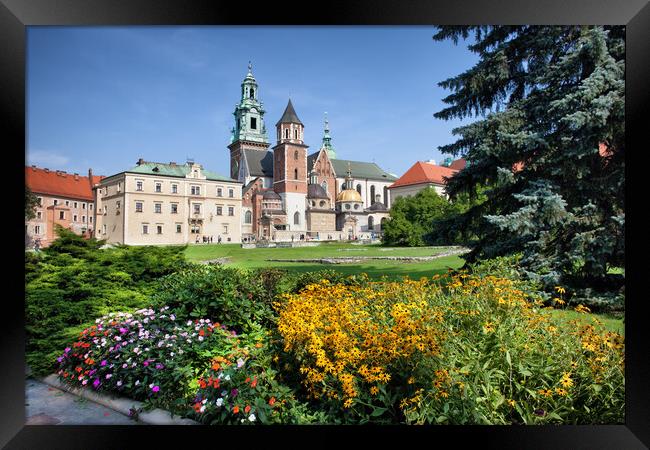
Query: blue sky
[{"x": 102, "y": 97}]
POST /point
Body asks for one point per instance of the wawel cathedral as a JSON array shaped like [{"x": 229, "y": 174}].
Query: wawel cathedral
[{"x": 290, "y": 194}]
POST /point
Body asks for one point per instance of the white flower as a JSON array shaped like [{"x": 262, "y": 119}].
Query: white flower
[
  {"x": 171, "y": 354},
  {"x": 200, "y": 338},
  {"x": 251, "y": 417},
  {"x": 189, "y": 322},
  {"x": 219, "y": 401},
  {"x": 227, "y": 378},
  {"x": 137, "y": 382},
  {"x": 173, "y": 317},
  {"x": 119, "y": 383},
  {"x": 204, "y": 401},
  {"x": 202, "y": 408},
  {"x": 151, "y": 385}
]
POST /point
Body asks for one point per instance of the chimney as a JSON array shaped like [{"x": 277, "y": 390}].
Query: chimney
[
  {"x": 76, "y": 176},
  {"x": 46, "y": 170},
  {"x": 90, "y": 175},
  {"x": 431, "y": 161},
  {"x": 140, "y": 161},
  {"x": 33, "y": 167}
]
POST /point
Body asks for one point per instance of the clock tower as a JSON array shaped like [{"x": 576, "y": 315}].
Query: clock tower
[{"x": 249, "y": 132}]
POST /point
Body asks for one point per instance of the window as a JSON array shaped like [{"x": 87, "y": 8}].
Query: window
[
  {"x": 219, "y": 192},
  {"x": 157, "y": 208},
  {"x": 90, "y": 219},
  {"x": 195, "y": 229},
  {"x": 371, "y": 223},
  {"x": 178, "y": 228},
  {"x": 231, "y": 193},
  {"x": 252, "y": 95},
  {"x": 386, "y": 196},
  {"x": 296, "y": 218},
  {"x": 37, "y": 229},
  {"x": 219, "y": 210},
  {"x": 295, "y": 174},
  {"x": 253, "y": 120},
  {"x": 174, "y": 189},
  {"x": 105, "y": 210},
  {"x": 359, "y": 189},
  {"x": 195, "y": 190},
  {"x": 225, "y": 229},
  {"x": 174, "y": 208},
  {"x": 61, "y": 214},
  {"x": 248, "y": 217},
  {"x": 322, "y": 203},
  {"x": 56, "y": 202},
  {"x": 117, "y": 204},
  {"x": 39, "y": 214},
  {"x": 75, "y": 204},
  {"x": 145, "y": 229},
  {"x": 373, "y": 197},
  {"x": 83, "y": 219},
  {"x": 104, "y": 228},
  {"x": 67, "y": 203},
  {"x": 74, "y": 218},
  {"x": 138, "y": 185},
  {"x": 83, "y": 206},
  {"x": 356, "y": 206},
  {"x": 158, "y": 187},
  {"x": 40, "y": 201},
  {"x": 295, "y": 134},
  {"x": 295, "y": 154},
  {"x": 231, "y": 210},
  {"x": 90, "y": 206},
  {"x": 138, "y": 206},
  {"x": 119, "y": 187},
  {"x": 197, "y": 208},
  {"x": 159, "y": 229},
  {"x": 347, "y": 206}
]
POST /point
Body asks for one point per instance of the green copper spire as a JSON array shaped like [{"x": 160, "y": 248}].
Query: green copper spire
[
  {"x": 249, "y": 113},
  {"x": 327, "y": 140}
]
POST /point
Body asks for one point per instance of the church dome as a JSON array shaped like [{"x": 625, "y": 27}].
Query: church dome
[
  {"x": 316, "y": 191},
  {"x": 349, "y": 195},
  {"x": 271, "y": 195}
]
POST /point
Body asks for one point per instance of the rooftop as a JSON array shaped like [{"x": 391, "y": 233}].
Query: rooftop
[
  {"x": 424, "y": 172},
  {"x": 61, "y": 183}
]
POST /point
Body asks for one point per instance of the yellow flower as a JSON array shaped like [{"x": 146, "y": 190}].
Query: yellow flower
[
  {"x": 411, "y": 380},
  {"x": 566, "y": 380},
  {"x": 560, "y": 289},
  {"x": 347, "y": 403},
  {"x": 511, "y": 403},
  {"x": 561, "y": 392},
  {"x": 374, "y": 390},
  {"x": 546, "y": 392}
]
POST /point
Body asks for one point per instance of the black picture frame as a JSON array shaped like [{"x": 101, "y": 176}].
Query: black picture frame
[{"x": 16, "y": 15}]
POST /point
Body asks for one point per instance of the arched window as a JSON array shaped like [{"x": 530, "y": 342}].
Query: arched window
[
  {"x": 343, "y": 186},
  {"x": 359, "y": 189},
  {"x": 286, "y": 133},
  {"x": 295, "y": 134},
  {"x": 296, "y": 218},
  {"x": 252, "y": 93},
  {"x": 372, "y": 194},
  {"x": 371, "y": 223},
  {"x": 248, "y": 217},
  {"x": 386, "y": 196},
  {"x": 295, "y": 154},
  {"x": 295, "y": 174},
  {"x": 383, "y": 223},
  {"x": 324, "y": 184}
]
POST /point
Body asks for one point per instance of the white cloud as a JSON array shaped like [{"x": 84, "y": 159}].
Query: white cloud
[{"x": 46, "y": 158}]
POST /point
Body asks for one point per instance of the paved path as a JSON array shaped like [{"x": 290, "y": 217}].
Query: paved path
[{"x": 45, "y": 405}]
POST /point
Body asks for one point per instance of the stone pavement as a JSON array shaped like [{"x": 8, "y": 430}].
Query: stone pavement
[{"x": 45, "y": 405}]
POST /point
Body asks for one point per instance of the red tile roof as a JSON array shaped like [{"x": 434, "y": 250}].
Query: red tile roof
[
  {"x": 424, "y": 172},
  {"x": 459, "y": 164},
  {"x": 58, "y": 182}
]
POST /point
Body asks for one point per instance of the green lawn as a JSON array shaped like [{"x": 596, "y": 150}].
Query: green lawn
[
  {"x": 257, "y": 258},
  {"x": 610, "y": 322}
]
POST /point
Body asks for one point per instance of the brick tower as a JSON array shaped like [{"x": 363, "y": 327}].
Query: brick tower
[
  {"x": 290, "y": 168},
  {"x": 249, "y": 131}
]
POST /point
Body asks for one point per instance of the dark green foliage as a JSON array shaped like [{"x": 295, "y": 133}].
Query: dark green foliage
[
  {"x": 31, "y": 202},
  {"x": 426, "y": 219},
  {"x": 74, "y": 282},
  {"x": 548, "y": 96},
  {"x": 233, "y": 297}
]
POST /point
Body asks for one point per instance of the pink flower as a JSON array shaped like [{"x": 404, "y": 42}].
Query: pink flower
[{"x": 155, "y": 388}]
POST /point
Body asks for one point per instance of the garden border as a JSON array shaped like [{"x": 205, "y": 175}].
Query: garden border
[{"x": 120, "y": 404}]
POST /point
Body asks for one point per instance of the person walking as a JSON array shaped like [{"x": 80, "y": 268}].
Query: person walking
[
  {"x": 37, "y": 245},
  {"x": 219, "y": 239}
]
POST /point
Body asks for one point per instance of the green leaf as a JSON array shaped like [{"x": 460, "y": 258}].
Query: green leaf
[
  {"x": 508, "y": 358},
  {"x": 378, "y": 412}
]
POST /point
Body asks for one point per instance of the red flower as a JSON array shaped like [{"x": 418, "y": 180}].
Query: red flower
[
  {"x": 235, "y": 410},
  {"x": 254, "y": 383},
  {"x": 202, "y": 384},
  {"x": 248, "y": 408},
  {"x": 247, "y": 380},
  {"x": 201, "y": 333},
  {"x": 272, "y": 401},
  {"x": 216, "y": 384}
]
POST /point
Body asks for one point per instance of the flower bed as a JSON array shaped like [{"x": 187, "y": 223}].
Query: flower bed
[{"x": 457, "y": 350}]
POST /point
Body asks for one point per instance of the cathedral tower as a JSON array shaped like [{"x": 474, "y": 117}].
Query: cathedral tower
[
  {"x": 249, "y": 132},
  {"x": 290, "y": 167}
]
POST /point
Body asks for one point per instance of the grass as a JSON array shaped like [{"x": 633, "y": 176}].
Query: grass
[
  {"x": 257, "y": 258},
  {"x": 610, "y": 322}
]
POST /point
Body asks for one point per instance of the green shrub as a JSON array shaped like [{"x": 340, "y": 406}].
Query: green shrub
[{"x": 234, "y": 297}]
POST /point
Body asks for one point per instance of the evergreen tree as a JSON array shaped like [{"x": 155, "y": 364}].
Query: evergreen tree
[
  {"x": 549, "y": 143},
  {"x": 31, "y": 202}
]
